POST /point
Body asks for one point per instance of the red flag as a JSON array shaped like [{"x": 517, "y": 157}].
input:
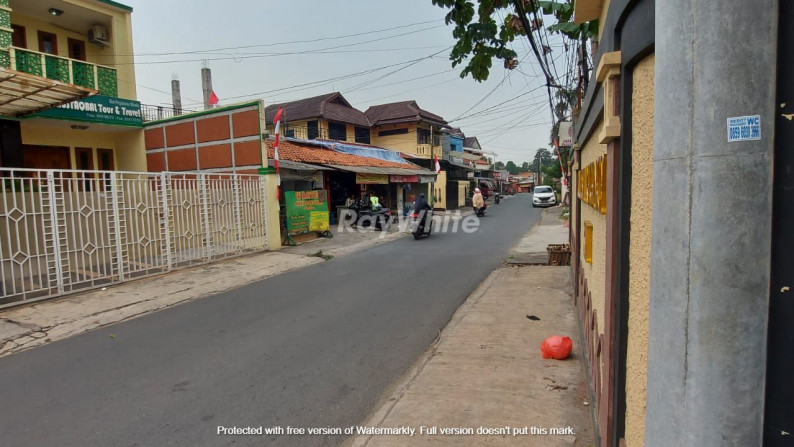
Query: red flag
[
  {"x": 438, "y": 165},
  {"x": 214, "y": 99}
]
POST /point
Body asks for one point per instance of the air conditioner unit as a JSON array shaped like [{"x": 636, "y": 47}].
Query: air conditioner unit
[{"x": 99, "y": 36}]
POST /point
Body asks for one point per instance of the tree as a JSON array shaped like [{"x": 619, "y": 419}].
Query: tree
[
  {"x": 512, "y": 168},
  {"x": 499, "y": 166},
  {"x": 525, "y": 166},
  {"x": 481, "y": 37},
  {"x": 543, "y": 158}
]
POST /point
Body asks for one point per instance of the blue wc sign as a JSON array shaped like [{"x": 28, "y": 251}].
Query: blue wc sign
[{"x": 744, "y": 128}]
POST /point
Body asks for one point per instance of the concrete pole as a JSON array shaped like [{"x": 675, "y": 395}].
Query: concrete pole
[
  {"x": 176, "y": 96},
  {"x": 712, "y": 206},
  {"x": 206, "y": 86}
]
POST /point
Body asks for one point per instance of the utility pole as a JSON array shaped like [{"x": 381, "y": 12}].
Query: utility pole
[{"x": 711, "y": 229}]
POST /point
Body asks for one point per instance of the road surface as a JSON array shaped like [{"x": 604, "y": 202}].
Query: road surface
[{"x": 315, "y": 347}]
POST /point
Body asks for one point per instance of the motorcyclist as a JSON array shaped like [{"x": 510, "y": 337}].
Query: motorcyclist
[
  {"x": 478, "y": 202},
  {"x": 421, "y": 207},
  {"x": 374, "y": 202},
  {"x": 421, "y": 203}
]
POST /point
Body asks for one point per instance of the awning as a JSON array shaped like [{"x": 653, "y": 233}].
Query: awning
[
  {"x": 377, "y": 170},
  {"x": 298, "y": 166},
  {"x": 24, "y": 94}
]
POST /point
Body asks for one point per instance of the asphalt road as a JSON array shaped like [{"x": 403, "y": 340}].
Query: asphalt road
[{"x": 311, "y": 348}]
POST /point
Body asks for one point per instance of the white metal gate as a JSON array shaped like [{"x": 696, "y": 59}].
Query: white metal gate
[{"x": 64, "y": 231}]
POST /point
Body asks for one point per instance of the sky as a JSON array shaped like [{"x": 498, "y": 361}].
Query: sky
[{"x": 373, "y": 52}]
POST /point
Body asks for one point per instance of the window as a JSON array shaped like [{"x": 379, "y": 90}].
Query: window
[
  {"x": 337, "y": 131},
  {"x": 48, "y": 43},
  {"x": 422, "y": 136},
  {"x": 362, "y": 135},
  {"x": 76, "y": 49},
  {"x": 105, "y": 157},
  {"x": 387, "y": 133},
  {"x": 588, "y": 242},
  {"x": 19, "y": 39},
  {"x": 313, "y": 130},
  {"x": 436, "y": 140},
  {"x": 84, "y": 158}
]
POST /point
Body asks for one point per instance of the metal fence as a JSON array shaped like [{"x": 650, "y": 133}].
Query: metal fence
[
  {"x": 65, "y": 231},
  {"x": 155, "y": 113}
]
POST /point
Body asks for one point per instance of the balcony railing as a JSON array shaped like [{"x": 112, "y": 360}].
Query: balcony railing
[
  {"x": 70, "y": 71},
  {"x": 156, "y": 113}
]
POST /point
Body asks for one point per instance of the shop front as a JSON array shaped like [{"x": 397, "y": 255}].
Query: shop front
[{"x": 97, "y": 133}]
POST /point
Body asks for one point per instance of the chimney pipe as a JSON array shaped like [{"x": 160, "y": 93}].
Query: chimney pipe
[
  {"x": 176, "y": 95},
  {"x": 206, "y": 84}
]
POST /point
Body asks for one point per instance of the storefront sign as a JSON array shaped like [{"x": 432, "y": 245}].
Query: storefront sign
[
  {"x": 592, "y": 184},
  {"x": 99, "y": 109},
  {"x": 372, "y": 179},
  {"x": 404, "y": 178},
  {"x": 470, "y": 174},
  {"x": 307, "y": 211},
  {"x": 427, "y": 179}
]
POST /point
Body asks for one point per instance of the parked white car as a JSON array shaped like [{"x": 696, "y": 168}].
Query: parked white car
[{"x": 543, "y": 196}]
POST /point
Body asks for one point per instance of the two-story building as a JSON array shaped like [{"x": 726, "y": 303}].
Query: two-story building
[
  {"x": 324, "y": 117},
  {"x": 407, "y": 128},
  {"x": 67, "y": 86}
]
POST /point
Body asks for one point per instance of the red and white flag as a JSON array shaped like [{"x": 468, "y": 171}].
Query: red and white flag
[
  {"x": 438, "y": 165},
  {"x": 277, "y": 122}
]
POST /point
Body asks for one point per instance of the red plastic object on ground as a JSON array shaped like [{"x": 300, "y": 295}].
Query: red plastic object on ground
[{"x": 556, "y": 347}]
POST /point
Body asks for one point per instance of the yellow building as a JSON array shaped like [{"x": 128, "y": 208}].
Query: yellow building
[
  {"x": 84, "y": 48},
  {"x": 324, "y": 117},
  {"x": 612, "y": 177}
]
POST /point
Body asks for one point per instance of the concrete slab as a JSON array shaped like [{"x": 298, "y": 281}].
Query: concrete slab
[
  {"x": 531, "y": 250},
  {"x": 486, "y": 372}
]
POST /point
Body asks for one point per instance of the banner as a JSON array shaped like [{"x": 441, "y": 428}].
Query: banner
[
  {"x": 404, "y": 178},
  {"x": 565, "y": 135},
  {"x": 307, "y": 211},
  {"x": 372, "y": 179},
  {"x": 99, "y": 109}
]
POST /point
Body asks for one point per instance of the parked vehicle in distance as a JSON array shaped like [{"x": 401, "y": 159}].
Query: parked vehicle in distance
[
  {"x": 486, "y": 188},
  {"x": 543, "y": 196}
]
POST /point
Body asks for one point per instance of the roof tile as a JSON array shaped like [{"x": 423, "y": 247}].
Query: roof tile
[{"x": 307, "y": 153}]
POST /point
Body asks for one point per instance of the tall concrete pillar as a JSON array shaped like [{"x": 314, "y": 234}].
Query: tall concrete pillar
[
  {"x": 176, "y": 96},
  {"x": 206, "y": 85},
  {"x": 712, "y": 204}
]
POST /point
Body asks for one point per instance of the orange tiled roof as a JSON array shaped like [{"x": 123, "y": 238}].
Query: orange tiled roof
[{"x": 307, "y": 153}]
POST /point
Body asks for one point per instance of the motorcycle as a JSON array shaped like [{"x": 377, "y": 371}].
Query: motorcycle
[
  {"x": 422, "y": 224},
  {"x": 480, "y": 212},
  {"x": 365, "y": 216},
  {"x": 497, "y": 198}
]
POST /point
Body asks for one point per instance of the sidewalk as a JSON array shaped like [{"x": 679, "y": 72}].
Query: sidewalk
[
  {"x": 37, "y": 324},
  {"x": 486, "y": 370}
]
